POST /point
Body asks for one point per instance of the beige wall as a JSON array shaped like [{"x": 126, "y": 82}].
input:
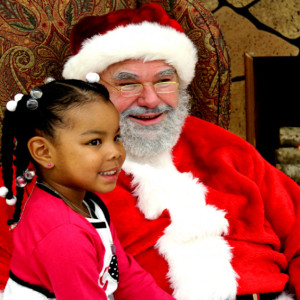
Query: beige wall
[{"x": 259, "y": 27}]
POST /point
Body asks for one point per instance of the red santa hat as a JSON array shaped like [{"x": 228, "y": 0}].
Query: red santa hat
[{"x": 146, "y": 33}]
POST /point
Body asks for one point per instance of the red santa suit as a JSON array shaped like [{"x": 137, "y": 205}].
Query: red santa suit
[{"x": 211, "y": 219}]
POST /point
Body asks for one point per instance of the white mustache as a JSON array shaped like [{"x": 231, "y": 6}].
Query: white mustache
[
  {"x": 143, "y": 142},
  {"x": 145, "y": 110}
]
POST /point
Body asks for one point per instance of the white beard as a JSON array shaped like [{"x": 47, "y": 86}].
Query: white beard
[{"x": 145, "y": 142}]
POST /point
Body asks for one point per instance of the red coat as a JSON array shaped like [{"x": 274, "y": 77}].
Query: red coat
[{"x": 261, "y": 205}]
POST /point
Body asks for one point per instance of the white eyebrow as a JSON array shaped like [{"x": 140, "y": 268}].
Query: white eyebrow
[
  {"x": 169, "y": 71},
  {"x": 124, "y": 75},
  {"x": 127, "y": 75}
]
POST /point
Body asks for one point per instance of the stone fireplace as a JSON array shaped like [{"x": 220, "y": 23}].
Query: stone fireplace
[
  {"x": 288, "y": 155},
  {"x": 272, "y": 105}
]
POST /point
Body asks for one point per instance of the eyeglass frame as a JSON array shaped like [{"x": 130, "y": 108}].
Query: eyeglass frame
[{"x": 141, "y": 84}]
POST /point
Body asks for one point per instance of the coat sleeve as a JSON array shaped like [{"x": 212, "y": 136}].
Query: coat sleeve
[
  {"x": 68, "y": 261},
  {"x": 134, "y": 282},
  {"x": 282, "y": 205},
  {"x": 280, "y": 198}
]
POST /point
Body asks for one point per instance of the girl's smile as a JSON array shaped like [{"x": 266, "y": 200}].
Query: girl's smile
[{"x": 111, "y": 175}]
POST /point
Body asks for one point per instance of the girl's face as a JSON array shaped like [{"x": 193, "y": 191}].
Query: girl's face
[{"x": 87, "y": 152}]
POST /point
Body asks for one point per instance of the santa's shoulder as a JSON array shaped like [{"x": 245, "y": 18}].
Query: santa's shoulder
[{"x": 198, "y": 131}]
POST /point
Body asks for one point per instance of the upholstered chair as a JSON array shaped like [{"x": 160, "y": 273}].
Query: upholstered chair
[{"x": 34, "y": 45}]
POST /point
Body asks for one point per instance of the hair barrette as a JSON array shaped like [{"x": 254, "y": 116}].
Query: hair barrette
[
  {"x": 32, "y": 102},
  {"x": 92, "y": 77},
  {"x": 12, "y": 104}
]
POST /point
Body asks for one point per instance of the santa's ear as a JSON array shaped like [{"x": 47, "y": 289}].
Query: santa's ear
[{"x": 41, "y": 151}]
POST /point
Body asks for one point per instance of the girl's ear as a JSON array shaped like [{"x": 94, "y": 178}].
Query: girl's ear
[{"x": 41, "y": 151}]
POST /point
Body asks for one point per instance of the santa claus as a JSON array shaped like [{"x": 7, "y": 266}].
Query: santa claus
[{"x": 197, "y": 206}]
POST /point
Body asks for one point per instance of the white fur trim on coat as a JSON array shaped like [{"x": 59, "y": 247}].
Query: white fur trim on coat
[
  {"x": 284, "y": 296},
  {"x": 199, "y": 258},
  {"x": 147, "y": 41}
]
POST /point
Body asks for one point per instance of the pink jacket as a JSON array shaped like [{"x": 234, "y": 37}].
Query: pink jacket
[{"x": 60, "y": 254}]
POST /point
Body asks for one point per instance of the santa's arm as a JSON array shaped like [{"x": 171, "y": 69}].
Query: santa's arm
[{"x": 282, "y": 205}]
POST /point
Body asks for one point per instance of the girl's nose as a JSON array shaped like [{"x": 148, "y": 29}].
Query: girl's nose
[{"x": 116, "y": 152}]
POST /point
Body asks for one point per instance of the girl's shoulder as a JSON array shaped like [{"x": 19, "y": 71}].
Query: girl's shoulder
[{"x": 44, "y": 213}]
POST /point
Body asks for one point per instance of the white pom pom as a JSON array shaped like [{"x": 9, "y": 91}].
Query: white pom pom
[
  {"x": 3, "y": 191},
  {"x": 18, "y": 97},
  {"x": 92, "y": 77},
  {"x": 11, "y": 201},
  {"x": 11, "y": 105}
]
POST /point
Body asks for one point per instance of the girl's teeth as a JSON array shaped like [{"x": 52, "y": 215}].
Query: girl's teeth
[{"x": 108, "y": 173}]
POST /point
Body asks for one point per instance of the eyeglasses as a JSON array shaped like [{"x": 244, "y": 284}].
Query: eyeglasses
[{"x": 130, "y": 90}]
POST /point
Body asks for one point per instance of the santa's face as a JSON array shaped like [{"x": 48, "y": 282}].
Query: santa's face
[
  {"x": 132, "y": 72},
  {"x": 150, "y": 121}
]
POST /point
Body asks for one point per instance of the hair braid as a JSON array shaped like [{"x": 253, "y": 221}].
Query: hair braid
[
  {"x": 7, "y": 147},
  {"x": 15, "y": 155}
]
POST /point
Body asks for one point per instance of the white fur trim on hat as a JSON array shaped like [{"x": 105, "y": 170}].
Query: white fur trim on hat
[{"x": 147, "y": 41}]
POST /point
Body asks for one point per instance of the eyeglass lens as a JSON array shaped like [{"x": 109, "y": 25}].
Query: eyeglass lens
[{"x": 136, "y": 89}]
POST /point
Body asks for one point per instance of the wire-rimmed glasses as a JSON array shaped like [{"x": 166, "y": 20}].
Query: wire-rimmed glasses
[{"x": 130, "y": 90}]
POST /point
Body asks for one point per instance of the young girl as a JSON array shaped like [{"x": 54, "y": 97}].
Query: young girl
[{"x": 64, "y": 245}]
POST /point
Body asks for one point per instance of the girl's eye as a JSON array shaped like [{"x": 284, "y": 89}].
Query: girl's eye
[{"x": 95, "y": 142}]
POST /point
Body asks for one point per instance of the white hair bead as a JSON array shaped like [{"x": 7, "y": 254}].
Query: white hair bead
[
  {"x": 18, "y": 97},
  {"x": 3, "y": 191},
  {"x": 11, "y": 201},
  {"x": 92, "y": 77},
  {"x": 49, "y": 79},
  {"x": 11, "y": 105}
]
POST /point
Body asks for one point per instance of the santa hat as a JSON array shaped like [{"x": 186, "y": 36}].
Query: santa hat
[{"x": 146, "y": 33}]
